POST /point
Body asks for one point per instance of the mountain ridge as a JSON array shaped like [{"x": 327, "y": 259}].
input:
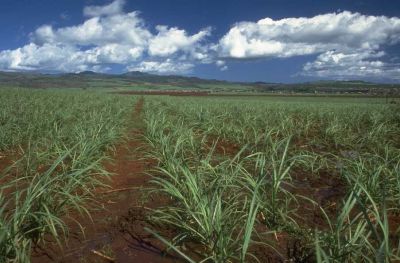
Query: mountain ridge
[{"x": 132, "y": 79}]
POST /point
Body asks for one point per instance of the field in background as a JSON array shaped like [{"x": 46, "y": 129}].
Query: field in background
[{"x": 273, "y": 178}]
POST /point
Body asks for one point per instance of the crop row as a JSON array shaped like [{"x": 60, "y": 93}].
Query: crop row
[
  {"x": 56, "y": 141},
  {"x": 229, "y": 206}
]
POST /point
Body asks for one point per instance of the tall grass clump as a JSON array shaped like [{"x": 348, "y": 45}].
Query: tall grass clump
[{"x": 207, "y": 208}]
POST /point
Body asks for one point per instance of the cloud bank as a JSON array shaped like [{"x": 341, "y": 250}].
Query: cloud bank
[
  {"x": 347, "y": 44},
  {"x": 290, "y": 37},
  {"x": 344, "y": 44},
  {"x": 109, "y": 36}
]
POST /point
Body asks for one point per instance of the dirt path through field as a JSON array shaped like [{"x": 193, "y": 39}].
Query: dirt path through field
[{"x": 116, "y": 233}]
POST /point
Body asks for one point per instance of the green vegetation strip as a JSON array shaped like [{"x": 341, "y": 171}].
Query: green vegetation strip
[
  {"x": 59, "y": 139},
  {"x": 226, "y": 206}
]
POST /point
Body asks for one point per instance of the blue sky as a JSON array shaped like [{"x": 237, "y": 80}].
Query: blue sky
[{"x": 254, "y": 40}]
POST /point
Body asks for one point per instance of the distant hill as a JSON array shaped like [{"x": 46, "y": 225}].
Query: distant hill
[
  {"x": 90, "y": 79},
  {"x": 140, "y": 80},
  {"x": 170, "y": 79}
]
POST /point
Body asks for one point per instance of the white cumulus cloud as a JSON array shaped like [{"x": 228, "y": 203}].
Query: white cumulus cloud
[
  {"x": 343, "y": 44},
  {"x": 113, "y": 8},
  {"x": 341, "y": 66},
  {"x": 347, "y": 44},
  {"x": 170, "y": 40},
  {"x": 290, "y": 37},
  {"x": 164, "y": 67},
  {"x": 126, "y": 28},
  {"x": 108, "y": 36},
  {"x": 221, "y": 65},
  {"x": 47, "y": 57}
]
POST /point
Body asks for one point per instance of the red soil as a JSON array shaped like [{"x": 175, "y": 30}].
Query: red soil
[
  {"x": 166, "y": 92},
  {"x": 222, "y": 146},
  {"x": 5, "y": 162},
  {"x": 191, "y": 93},
  {"x": 119, "y": 226},
  {"x": 117, "y": 229}
]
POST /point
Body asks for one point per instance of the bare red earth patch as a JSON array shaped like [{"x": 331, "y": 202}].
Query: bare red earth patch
[
  {"x": 167, "y": 92},
  {"x": 222, "y": 146},
  {"x": 5, "y": 161}
]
